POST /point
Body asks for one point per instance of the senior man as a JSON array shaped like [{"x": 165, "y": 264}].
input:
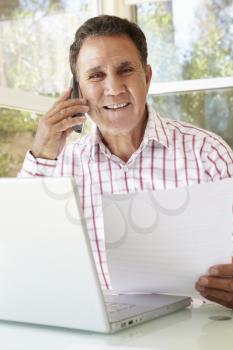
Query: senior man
[{"x": 132, "y": 148}]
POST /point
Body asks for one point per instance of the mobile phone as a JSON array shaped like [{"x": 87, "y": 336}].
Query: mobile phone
[{"x": 75, "y": 94}]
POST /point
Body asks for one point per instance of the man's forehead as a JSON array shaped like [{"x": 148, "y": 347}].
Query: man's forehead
[{"x": 101, "y": 51}]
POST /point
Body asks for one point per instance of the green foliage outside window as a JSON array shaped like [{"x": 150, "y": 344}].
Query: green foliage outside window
[{"x": 17, "y": 129}]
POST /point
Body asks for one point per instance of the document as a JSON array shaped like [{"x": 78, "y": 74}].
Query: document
[{"x": 163, "y": 241}]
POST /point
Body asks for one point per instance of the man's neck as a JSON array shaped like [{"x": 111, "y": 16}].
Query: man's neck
[
  {"x": 123, "y": 148},
  {"x": 124, "y": 145}
]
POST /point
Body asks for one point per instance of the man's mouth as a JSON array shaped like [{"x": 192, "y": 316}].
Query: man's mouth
[{"x": 115, "y": 107}]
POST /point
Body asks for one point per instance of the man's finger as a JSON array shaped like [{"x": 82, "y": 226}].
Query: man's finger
[
  {"x": 62, "y": 98},
  {"x": 221, "y": 270},
  {"x": 221, "y": 297},
  {"x": 216, "y": 300},
  {"x": 67, "y": 112},
  {"x": 61, "y": 106},
  {"x": 225, "y": 284},
  {"x": 68, "y": 123}
]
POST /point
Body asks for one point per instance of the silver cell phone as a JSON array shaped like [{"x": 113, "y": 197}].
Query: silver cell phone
[{"x": 75, "y": 94}]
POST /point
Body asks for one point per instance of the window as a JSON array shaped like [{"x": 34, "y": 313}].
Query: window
[
  {"x": 188, "y": 39},
  {"x": 191, "y": 56},
  {"x": 34, "y": 43},
  {"x": 34, "y": 46},
  {"x": 190, "y": 46},
  {"x": 210, "y": 109}
]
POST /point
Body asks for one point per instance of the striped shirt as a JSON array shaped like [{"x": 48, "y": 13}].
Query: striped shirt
[{"x": 172, "y": 154}]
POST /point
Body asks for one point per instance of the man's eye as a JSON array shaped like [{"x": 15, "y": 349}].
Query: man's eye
[
  {"x": 96, "y": 76},
  {"x": 127, "y": 70}
]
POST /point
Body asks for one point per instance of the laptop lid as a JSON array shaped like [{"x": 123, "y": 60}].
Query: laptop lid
[{"x": 47, "y": 272}]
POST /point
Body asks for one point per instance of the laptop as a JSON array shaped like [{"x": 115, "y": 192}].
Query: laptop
[{"x": 47, "y": 271}]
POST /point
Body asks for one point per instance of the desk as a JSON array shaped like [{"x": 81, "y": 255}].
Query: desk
[{"x": 188, "y": 329}]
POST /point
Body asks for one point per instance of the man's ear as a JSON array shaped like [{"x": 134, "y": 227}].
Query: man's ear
[{"x": 148, "y": 75}]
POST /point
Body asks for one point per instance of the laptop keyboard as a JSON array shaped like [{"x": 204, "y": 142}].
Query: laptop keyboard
[{"x": 116, "y": 307}]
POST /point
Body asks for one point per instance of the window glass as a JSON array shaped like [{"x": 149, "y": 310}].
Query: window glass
[
  {"x": 17, "y": 130},
  {"x": 211, "y": 110},
  {"x": 188, "y": 39},
  {"x": 35, "y": 36}
]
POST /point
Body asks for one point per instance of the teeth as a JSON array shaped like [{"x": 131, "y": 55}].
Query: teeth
[{"x": 120, "y": 105}]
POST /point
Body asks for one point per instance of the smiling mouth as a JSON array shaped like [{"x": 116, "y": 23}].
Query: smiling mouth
[{"x": 116, "y": 107}]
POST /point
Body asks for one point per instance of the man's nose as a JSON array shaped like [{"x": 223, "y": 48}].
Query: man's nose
[{"x": 114, "y": 86}]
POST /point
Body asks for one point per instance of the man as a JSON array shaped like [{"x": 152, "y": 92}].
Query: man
[{"x": 132, "y": 148}]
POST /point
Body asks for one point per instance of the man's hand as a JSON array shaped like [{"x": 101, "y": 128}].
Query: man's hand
[
  {"x": 217, "y": 286},
  {"x": 56, "y": 125}
]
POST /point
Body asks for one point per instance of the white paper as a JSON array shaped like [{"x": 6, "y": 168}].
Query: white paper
[{"x": 163, "y": 241}]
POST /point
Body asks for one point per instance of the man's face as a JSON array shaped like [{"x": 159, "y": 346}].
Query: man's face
[{"x": 114, "y": 82}]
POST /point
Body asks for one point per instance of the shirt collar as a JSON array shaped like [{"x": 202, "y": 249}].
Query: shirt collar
[{"x": 156, "y": 129}]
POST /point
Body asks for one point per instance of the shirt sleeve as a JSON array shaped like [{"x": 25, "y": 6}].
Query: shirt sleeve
[
  {"x": 37, "y": 166},
  {"x": 219, "y": 162}
]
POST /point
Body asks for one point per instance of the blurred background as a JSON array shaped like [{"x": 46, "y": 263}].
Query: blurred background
[{"x": 190, "y": 49}]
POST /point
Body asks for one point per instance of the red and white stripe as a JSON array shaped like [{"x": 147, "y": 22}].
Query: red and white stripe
[{"x": 173, "y": 154}]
